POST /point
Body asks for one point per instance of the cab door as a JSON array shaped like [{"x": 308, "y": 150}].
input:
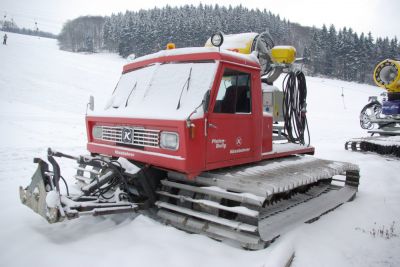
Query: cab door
[{"x": 230, "y": 123}]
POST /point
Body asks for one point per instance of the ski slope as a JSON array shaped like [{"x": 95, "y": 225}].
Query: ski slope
[{"x": 43, "y": 97}]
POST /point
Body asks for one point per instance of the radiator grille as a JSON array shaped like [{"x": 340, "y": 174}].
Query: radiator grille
[{"x": 140, "y": 136}]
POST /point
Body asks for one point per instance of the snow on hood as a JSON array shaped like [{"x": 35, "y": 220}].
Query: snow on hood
[{"x": 161, "y": 91}]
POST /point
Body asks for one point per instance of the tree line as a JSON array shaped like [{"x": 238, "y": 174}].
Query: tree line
[
  {"x": 346, "y": 55},
  {"x": 339, "y": 54},
  {"x": 11, "y": 26},
  {"x": 83, "y": 34}
]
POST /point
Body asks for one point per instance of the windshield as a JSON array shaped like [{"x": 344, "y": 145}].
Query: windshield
[{"x": 170, "y": 90}]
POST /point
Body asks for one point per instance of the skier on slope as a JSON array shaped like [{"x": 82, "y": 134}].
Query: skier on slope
[{"x": 5, "y": 39}]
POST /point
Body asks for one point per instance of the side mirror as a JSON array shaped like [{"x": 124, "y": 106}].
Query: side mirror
[
  {"x": 206, "y": 101},
  {"x": 91, "y": 103}
]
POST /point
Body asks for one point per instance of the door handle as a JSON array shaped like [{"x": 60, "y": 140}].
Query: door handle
[{"x": 212, "y": 126}]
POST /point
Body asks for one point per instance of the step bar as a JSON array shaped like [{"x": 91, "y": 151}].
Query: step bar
[
  {"x": 219, "y": 193},
  {"x": 208, "y": 217},
  {"x": 215, "y": 231},
  {"x": 212, "y": 204}
]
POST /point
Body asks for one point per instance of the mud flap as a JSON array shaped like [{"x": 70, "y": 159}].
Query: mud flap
[{"x": 34, "y": 196}]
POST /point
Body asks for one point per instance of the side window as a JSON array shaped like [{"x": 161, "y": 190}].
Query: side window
[{"x": 234, "y": 94}]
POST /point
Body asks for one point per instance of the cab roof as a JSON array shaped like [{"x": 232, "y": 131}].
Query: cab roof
[{"x": 193, "y": 54}]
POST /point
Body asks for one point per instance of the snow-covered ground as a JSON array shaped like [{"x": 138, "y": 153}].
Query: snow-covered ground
[{"x": 43, "y": 97}]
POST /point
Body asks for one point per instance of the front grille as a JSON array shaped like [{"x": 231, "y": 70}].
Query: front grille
[
  {"x": 140, "y": 136},
  {"x": 112, "y": 134}
]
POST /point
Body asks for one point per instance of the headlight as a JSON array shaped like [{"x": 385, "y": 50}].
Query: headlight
[
  {"x": 169, "y": 140},
  {"x": 217, "y": 39},
  {"x": 97, "y": 132}
]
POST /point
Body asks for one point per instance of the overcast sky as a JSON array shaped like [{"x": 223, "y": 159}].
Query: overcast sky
[{"x": 381, "y": 17}]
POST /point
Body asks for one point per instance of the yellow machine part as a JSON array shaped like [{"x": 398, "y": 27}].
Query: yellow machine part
[
  {"x": 244, "y": 43},
  {"x": 387, "y": 75},
  {"x": 241, "y": 42},
  {"x": 283, "y": 54}
]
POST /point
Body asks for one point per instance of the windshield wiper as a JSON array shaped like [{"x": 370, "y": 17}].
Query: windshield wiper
[
  {"x": 134, "y": 87},
  {"x": 183, "y": 87},
  {"x": 115, "y": 88}
]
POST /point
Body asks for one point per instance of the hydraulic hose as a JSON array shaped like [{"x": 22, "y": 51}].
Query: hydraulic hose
[{"x": 295, "y": 108}]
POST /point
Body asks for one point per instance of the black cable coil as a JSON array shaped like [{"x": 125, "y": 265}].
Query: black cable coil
[{"x": 295, "y": 107}]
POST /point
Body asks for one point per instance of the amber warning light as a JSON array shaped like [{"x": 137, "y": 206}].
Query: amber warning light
[{"x": 170, "y": 46}]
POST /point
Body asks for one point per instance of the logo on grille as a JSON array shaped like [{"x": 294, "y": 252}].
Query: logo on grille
[
  {"x": 127, "y": 135},
  {"x": 239, "y": 141}
]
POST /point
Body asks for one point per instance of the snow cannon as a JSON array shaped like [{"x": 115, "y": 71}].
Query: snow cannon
[
  {"x": 246, "y": 43},
  {"x": 387, "y": 76},
  {"x": 274, "y": 60},
  {"x": 243, "y": 43},
  {"x": 382, "y": 114}
]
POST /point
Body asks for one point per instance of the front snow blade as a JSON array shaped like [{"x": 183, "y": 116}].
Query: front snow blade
[
  {"x": 34, "y": 195},
  {"x": 43, "y": 194}
]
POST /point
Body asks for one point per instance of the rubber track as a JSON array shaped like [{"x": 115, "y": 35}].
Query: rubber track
[
  {"x": 361, "y": 145},
  {"x": 280, "y": 207},
  {"x": 295, "y": 200}
]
